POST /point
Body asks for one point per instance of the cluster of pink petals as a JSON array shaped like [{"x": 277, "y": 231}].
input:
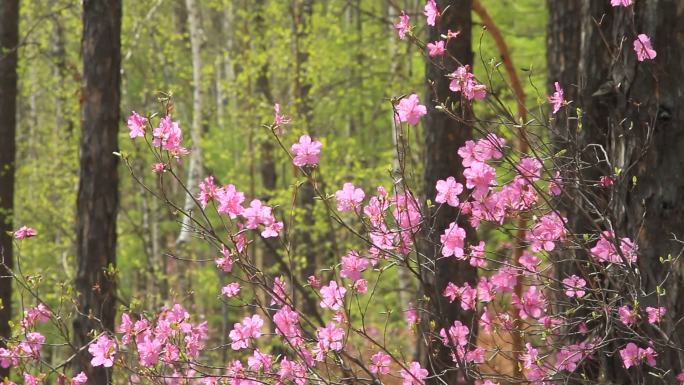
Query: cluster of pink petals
[
  {"x": 136, "y": 125},
  {"x": 410, "y": 110},
  {"x": 306, "y": 152},
  {"x": 403, "y": 25},
  {"x": 453, "y": 241},
  {"x": 557, "y": 100},
  {"x": 546, "y": 231},
  {"x": 415, "y": 375},
  {"x": 279, "y": 120},
  {"x": 605, "y": 250},
  {"x": 243, "y": 332},
  {"x": 448, "y": 191},
  {"x": 431, "y": 12},
  {"x": 25, "y": 232},
  {"x": 633, "y": 355},
  {"x": 620, "y": 3},
  {"x": 462, "y": 80},
  {"x": 168, "y": 136},
  {"x": 436, "y": 48},
  {"x": 643, "y": 48},
  {"x": 574, "y": 286},
  {"x": 332, "y": 296},
  {"x": 103, "y": 351},
  {"x": 349, "y": 197}
]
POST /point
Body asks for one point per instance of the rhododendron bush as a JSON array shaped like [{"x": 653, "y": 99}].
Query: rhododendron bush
[{"x": 329, "y": 327}]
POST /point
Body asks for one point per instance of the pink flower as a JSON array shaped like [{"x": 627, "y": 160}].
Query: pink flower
[
  {"x": 680, "y": 377},
  {"x": 436, "y": 48},
  {"x": 557, "y": 99},
  {"x": 307, "y": 152},
  {"x": 605, "y": 250},
  {"x": 279, "y": 119},
  {"x": 504, "y": 279},
  {"x": 149, "y": 350},
  {"x": 259, "y": 360},
  {"x": 548, "y": 229},
  {"x": 453, "y": 240},
  {"x": 655, "y": 314},
  {"x": 380, "y": 363},
  {"x": 464, "y": 81},
  {"x": 207, "y": 191},
  {"x": 286, "y": 321},
  {"x": 643, "y": 48},
  {"x": 410, "y": 110},
  {"x": 158, "y": 168},
  {"x": 529, "y": 359},
  {"x": 231, "y": 289},
  {"x": 349, "y": 197},
  {"x": 529, "y": 261},
  {"x": 103, "y": 351},
  {"x": 411, "y": 315},
  {"x": 242, "y": 332},
  {"x": 458, "y": 335},
  {"x": 136, "y": 125},
  {"x": 225, "y": 263},
  {"x": 25, "y": 232},
  {"x": 279, "y": 295},
  {"x": 633, "y": 355},
  {"x": 529, "y": 169},
  {"x": 229, "y": 201},
  {"x": 330, "y": 337},
  {"x": 39, "y": 314},
  {"x": 555, "y": 184},
  {"x": 333, "y": 296},
  {"x": 448, "y": 191},
  {"x": 431, "y": 12},
  {"x": 627, "y": 316},
  {"x": 79, "y": 379},
  {"x": 623, "y": 3},
  {"x": 532, "y": 304},
  {"x": 479, "y": 176},
  {"x": 415, "y": 375},
  {"x": 352, "y": 266},
  {"x": 606, "y": 181},
  {"x": 574, "y": 286},
  {"x": 477, "y": 255},
  {"x": 168, "y": 136},
  {"x": 30, "y": 380},
  {"x": 403, "y": 25}
]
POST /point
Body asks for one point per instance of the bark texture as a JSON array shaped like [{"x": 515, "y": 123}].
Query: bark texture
[
  {"x": 98, "y": 198},
  {"x": 443, "y": 137},
  {"x": 631, "y": 109},
  {"x": 9, "y": 32}
]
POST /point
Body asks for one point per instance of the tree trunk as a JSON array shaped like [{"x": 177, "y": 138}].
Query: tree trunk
[
  {"x": 9, "y": 32},
  {"x": 195, "y": 164},
  {"x": 443, "y": 137},
  {"x": 98, "y": 198},
  {"x": 632, "y": 109}
]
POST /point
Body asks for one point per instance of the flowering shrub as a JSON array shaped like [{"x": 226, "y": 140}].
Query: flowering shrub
[{"x": 566, "y": 322}]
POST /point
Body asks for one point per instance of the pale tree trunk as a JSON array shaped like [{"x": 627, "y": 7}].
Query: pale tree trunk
[
  {"x": 9, "y": 39},
  {"x": 631, "y": 109},
  {"x": 443, "y": 137},
  {"x": 195, "y": 163},
  {"x": 98, "y": 196}
]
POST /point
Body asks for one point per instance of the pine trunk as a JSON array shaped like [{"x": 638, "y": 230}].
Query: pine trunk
[{"x": 98, "y": 199}]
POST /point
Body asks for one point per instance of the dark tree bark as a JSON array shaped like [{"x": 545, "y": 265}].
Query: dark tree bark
[
  {"x": 443, "y": 137},
  {"x": 632, "y": 109},
  {"x": 98, "y": 198},
  {"x": 9, "y": 33}
]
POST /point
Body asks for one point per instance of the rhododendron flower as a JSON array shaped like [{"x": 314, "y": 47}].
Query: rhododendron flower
[
  {"x": 79, "y": 379},
  {"x": 532, "y": 304},
  {"x": 529, "y": 169},
  {"x": 242, "y": 332},
  {"x": 352, "y": 266},
  {"x": 555, "y": 184},
  {"x": 314, "y": 282},
  {"x": 168, "y": 136},
  {"x": 286, "y": 321},
  {"x": 333, "y": 296},
  {"x": 225, "y": 263},
  {"x": 349, "y": 198},
  {"x": 40, "y": 313},
  {"x": 680, "y": 377},
  {"x": 633, "y": 355},
  {"x": 306, "y": 151},
  {"x": 279, "y": 120},
  {"x": 207, "y": 191},
  {"x": 453, "y": 240},
  {"x": 330, "y": 337},
  {"x": 136, "y": 125},
  {"x": 380, "y": 363},
  {"x": 436, "y": 48},
  {"x": 415, "y": 375},
  {"x": 411, "y": 315},
  {"x": 546, "y": 231},
  {"x": 229, "y": 201},
  {"x": 464, "y": 81},
  {"x": 605, "y": 250},
  {"x": 103, "y": 351},
  {"x": 574, "y": 286},
  {"x": 557, "y": 99},
  {"x": 529, "y": 261},
  {"x": 643, "y": 48},
  {"x": 25, "y": 232},
  {"x": 623, "y": 3},
  {"x": 410, "y": 110},
  {"x": 458, "y": 334},
  {"x": 149, "y": 350},
  {"x": 431, "y": 12},
  {"x": 403, "y": 25},
  {"x": 655, "y": 314},
  {"x": 158, "y": 168},
  {"x": 606, "y": 181},
  {"x": 479, "y": 176},
  {"x": 30, "y": 379},
  {"x": 485, "y": 290},
  {"x": 259, "y": 360},
  {"x": 33, "y": 344},
  {"x": 529, "y": 358},
  {"x": 448, "y": 191},
  {"x": 477, "y": 255},
  {"x": 627, "y": 315},
  {"x": 231, "y": 289}
]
